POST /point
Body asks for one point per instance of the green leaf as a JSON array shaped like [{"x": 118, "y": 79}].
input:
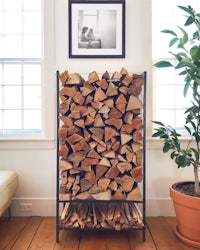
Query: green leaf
[
  {"x": 166, "y": 147},
  {"x": 189, "y": 21},
  {"x": 158, "y": 123},
  {"x": 188, "y": 10},
  {"x": 188, "y": 129},
  {"x": 163, "y": 64},
  {"x": 173, "y": 154},
  {"x": 184, "y": 72},
  {"x": 169, "y": 32},
  {"x": 183, "y": 31},
  {"x": 196, "y": 35},
  {"x": 197, "y": 80},
  {"x": 183, "y": 54},
  {"x": 158, "y": 134},
  {"x": 185, "y": 63},
  {"x": 186, "y": 87},
  {"x": 173, "y": 41},
  {"x": 196, "y": 153},
  {"x": 177, "y": 56},
  {"x": 195, "y": 53}
]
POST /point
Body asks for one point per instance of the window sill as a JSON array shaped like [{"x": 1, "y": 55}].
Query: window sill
[
  {"x": 27, "y": 143},
  {"x": 157, "y": 144}
]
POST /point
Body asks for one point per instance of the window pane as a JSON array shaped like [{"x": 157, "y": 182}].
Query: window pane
[
  {"x": 0, "y": 99},
  {"x": 12, "y": 97},
  {"x": 12, "y": 119},
  {"x": 180, "y": 119},
  {"x": 1, "y": 46},
  {"x": 1, "y": 21},
  {"x": 181, "y": 101},
  {"x": 12, "y": 46},
  {"x": 32, "y": 46},
  {"x": 9, "y": 27},
  {"x": 32, "y": 5},
  {"x": 12, "y": 74},
  {"x": 164, "y": 76},
  {"x": 166, "y": 116},
  {"x": 12, "y": 4},
  {"x": 32, "y": 97},
  {"x": 0, "y": 74},
  {"x": 32, "y": 74},
  {"x": 1, "y": 122},
  {"x": 32, "y": 22},
  {"x": 165, "y": 97},
  {"x": 32, "y": 119}
]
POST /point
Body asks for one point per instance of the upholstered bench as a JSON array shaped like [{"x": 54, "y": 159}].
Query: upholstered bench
[{"x": 8, "y": 187}]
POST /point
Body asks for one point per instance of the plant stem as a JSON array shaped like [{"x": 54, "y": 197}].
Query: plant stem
[{"x": 196, "y": 180}]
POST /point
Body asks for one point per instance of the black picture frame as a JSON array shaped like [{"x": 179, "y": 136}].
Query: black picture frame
[{"x": 96, "y": 28}]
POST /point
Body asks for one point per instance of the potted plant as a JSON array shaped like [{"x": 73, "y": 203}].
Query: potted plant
[{"x": 187, "y": 54}]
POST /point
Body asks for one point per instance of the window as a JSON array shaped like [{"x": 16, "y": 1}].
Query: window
[
  {"x": 169, "y": 100},
  {"x": 20, "y": 67}
]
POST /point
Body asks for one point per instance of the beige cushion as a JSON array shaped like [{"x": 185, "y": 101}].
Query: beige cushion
[{"x": 8, "y": 187}]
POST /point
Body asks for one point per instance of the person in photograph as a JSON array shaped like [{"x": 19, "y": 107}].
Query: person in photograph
[
  {"x": 90, "y": 35},
  {"x": 83, "y": 34}
]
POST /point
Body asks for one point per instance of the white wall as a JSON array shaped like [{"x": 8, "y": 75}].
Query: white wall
[{"x": 37, "y": 168}]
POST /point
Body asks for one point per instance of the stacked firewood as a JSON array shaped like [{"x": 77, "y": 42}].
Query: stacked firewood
[
  {"x": 101, "y": 133},
  {"x": 102, "y": 215}
]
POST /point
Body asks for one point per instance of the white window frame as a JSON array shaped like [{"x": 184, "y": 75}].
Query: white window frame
[
  {"x": 193, "y": 3},
  {"x": 46, "y": 140}
]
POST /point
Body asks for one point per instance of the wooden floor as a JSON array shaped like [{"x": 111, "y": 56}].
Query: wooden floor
[{"x": 21, "y": 233}]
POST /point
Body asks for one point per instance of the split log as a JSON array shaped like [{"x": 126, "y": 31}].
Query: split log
[
  {"x": 117, "y": 123},
  {"x": 87, "y": 89},
  {"x": 134, "y": 103},
  {"x": 102, "y": 195},
  {"x": 113, "y": 172},
  {"x": 79, "y": 98},
  {"x": 75, "y": 79},
  {"x": 102, "y": 84},
  {"x": 64, "y": 77},
  {"x": 74, "y": 138},
  {"x": 116, "y": 77},
  {"x": 64, "y": 151},
  {"x": 62, "y": 135},
  {"x": 93, "y": 77},
  {"x": 136, "y": 173},
  {"x": 93, "y": 154},
  {"x": 125, "y": 138},
  {"x": 69, "y": 91},
  {"x": 111, "y": 90},
  {"x": 136, "y": 87},
  {"x": 114, "y": 114},
  {"x": 135, "y": 194},
  {"x": 99, "y": 95},
  {"x": 110, "y": 133}
]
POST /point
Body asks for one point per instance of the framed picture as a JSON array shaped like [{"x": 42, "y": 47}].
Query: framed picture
[{"x": 96, "y": 28}]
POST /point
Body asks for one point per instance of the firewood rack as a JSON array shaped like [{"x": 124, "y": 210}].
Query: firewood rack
[{"x": 137, "y": 206}]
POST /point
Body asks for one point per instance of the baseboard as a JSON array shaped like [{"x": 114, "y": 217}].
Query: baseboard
[
  {"x": 159, "y": 207},
  {"x": 47, "y": 207},
  {"x": 36, "y": 207}
]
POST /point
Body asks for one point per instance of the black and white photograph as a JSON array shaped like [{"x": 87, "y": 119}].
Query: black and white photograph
[{"x": 97, "y": 29}]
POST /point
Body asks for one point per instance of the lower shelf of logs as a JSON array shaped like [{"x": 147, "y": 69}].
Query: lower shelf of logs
[{"x": 103, "y": 215}]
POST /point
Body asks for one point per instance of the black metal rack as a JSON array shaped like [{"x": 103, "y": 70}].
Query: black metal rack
[{"x": 60, "y": 204}]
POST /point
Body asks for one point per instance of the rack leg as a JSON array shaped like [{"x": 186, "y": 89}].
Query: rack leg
[
  {"x": 57, "y": 234},
  {"x": 144, "y": 234}
]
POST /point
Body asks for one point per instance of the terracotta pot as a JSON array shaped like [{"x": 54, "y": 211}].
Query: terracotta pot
[{"x": 187, "y": 209}]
